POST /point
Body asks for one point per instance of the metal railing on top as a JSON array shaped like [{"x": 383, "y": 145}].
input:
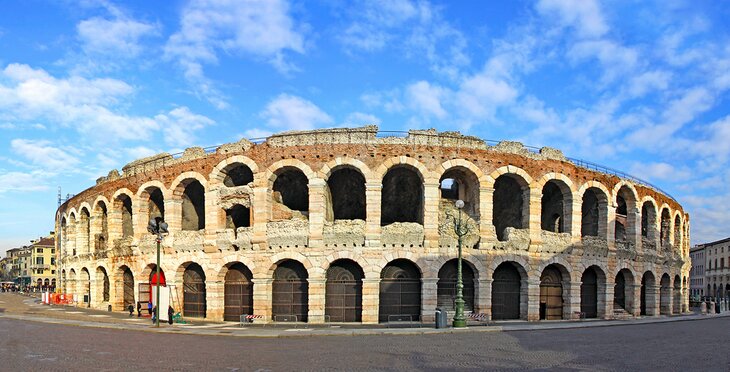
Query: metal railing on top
[{"x": 396, "y": 133}]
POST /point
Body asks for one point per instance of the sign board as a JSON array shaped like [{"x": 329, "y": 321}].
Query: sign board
[{"x": 164, "y": 301}]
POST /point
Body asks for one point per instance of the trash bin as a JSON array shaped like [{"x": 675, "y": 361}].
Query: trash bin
[{"x": 441, "y": 318}]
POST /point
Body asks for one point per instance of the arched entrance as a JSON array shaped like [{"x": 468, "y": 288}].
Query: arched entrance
[
  {"x": 400, "y": 290},
  {"x": 128, "y": 288},
  {"x": 623, "y": 291},
  {"x": 665, "y": 295},
  {"x": 238, "y": 292},
  {"x": 343, "y": 298},
  {"x": 194, "y": 304},
  {"x": 589, "y": 293},
  {"x": 551, "y": 294},
  {"x": 677, "y": 295},
  {"x": 446, "y": 292},
  {"x": 290, "y": 291},
  {"x": 647, "y": 294},
  {"x": 506, "y": 288},
  {"x": 53, "y": 284}
]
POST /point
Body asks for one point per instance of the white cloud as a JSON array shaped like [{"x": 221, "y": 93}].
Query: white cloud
[
  {"x": 20, "y": 181},
  {"x": 179, "y": 124},
  {"x": 293, "y": 113},
  {"x": 359, "y": 119},
  {"x": 648, "y": 81},
  {"x": 660, "y": 171},
  {"x": 118, "y": 37},
  {"x": 42, "y": 153},
  {"x": 583, "y": 15},
  {"x": 616, "y": 59},
  {"x": 426, "y": 99},
  {"x": 481, "y": 94},
  {"x": 255, "y": 133},
  {"x": 263, "y": 29}
]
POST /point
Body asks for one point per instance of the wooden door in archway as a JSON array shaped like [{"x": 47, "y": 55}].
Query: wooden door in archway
[{"x": 551, "y": 294}]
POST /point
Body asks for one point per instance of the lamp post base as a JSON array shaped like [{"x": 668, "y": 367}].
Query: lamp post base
[{"x": 459, "y": 323}]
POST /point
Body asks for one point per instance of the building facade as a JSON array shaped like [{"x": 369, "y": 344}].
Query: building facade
[
  {"x": 345, "y": 225},
  {"x": 43, "y": 263},
  {"x": 697, "y": 273},
  {"x": 19, "y": 263},
  {"x": 717, "y": 267}
]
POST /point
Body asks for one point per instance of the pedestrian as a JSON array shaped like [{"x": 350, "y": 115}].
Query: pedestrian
[
  {"x": 154, "y": 314},
  {"x": 139, "y": 309},
  {"x": 170, "y": 313},
  {"x": 149, "y": 308},
  {"x": 131, "y": 310}
]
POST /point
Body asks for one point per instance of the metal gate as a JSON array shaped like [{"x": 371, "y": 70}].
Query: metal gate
[
  {"x": 589, "y": 294},
  {"x": 238, "y": 293},
  {"x": 551, "y": 294},
  {"x": 128, "y": 280},
  {"x": 506, "y": 292},
  {"x": 400, "y": 290},
  {"x": 619, "y": 291},
  {"x": 446, "y": 286},
  {"x": 343, "y": 299},
  {"x": 194, "y": 291},
  {"x": 290, "y": 291}
]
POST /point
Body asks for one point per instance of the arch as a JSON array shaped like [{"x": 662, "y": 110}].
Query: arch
[
  {"x": 677, "y": 295},
  {"x": 508, "y": 292},
  {"x": 677, "y": 233},
  {"x": 556, "y": 203},
  {"x": 127, "y": 287},
  {"x": 551, "y": 292},
  {"x": 85, "y": 282},
  {"x": 343, "y": 292},
  {"x": 518, "y": 173},
  {"x": 625, "y": 199},
  {"x": 446, "y": 285},
  {"x": 123, "y": 204},
  {"x": 237, "y": 291},
  {"x": 402, "y": 197},
  {"x": 400, "y": 290},
  {"x": 623, "y": 292},
  {"x": 194, "y": 291},
  {"x": 345, "y": 161},
  {"x": 510, "y": 201},
  {"x": 592, "y": 292},
  {"x": 151, "y": 196},
  {"x": 346, "y": 194},
  {"x": 291, "y": 188},
  {"x": 594, "y": 209},
  {"x": 649, "y": 214},
  {"x": 290, "y": 291},
  {"x": 664, "y": 227},
  {"x": 426, "y": 175},
  {"x": 104, "y": 292},
  {"x": 271, "y": 171},
  {"x": 238, "y": 216},
  {"x": 83, "y": 230},
  {"x": 100, "y": 224},
  {"x": 177, "y": 186},
  {"x": 219, "y": 173},
  {"x": 665, "y": 295},
  {"x": 192, "y": 192},
  {"x": 648, "y": 296},
  {"x": 462, "y": 182}
]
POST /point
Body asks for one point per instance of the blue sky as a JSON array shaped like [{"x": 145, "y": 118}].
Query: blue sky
[{"x": 87, "y": 86}]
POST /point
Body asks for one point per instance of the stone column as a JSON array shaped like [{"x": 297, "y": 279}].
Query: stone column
[
  {"x": 483, "y": 300},
  {"x": 635, "y": 300},
  {"x": 173, "y": 214},
  {"x": 260, "y": 208},
  {"x": 633, "y": 226},
  {"x": 535, "y": 219},
  {"x": 611, "y": 227},
  {"x": 572, "y": 305},
  {"x": 213, "y": 216},
  {"x": 317, "y": 207},
  {"x": 373, "y": 193},
  {"x": 533, "y": 300},
  {"x": 652, "y": 300},
  {"x": 431, "y": 195},
  {"x": 429, "y": 300},
  {"x": 316, "y": 300},
  {"x": 576, "y": 219},
  {"x": 605, "y": 299},
  {"x": 486, "y": 229},
  {"x": 262, "y": 297},
  {"x": 370, "y": 300},
  {"x": 214, "y": 300}
]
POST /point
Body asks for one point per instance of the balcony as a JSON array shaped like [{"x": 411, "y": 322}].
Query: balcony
[{"x": 40, "y": 267}]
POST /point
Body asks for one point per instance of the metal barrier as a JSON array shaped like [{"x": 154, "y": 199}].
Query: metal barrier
[
  {"x": 287, "y": 319},
  {"x": 402, "y": 319},
  {"x": 479, "y": 317},
  {"x": 249, "y": 318}
]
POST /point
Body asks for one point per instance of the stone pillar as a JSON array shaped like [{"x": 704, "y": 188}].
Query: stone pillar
[
  {"x": 260, "y": 208},
  {"x": 633, "y": 225},
  {"x": 431, "y": 196},
  {"x": 573, "y": 223},
  {"x": 533, "y": 300},
  {"x": 317, "y": 211},
  {"x": 483, "y": 300},
  {"x": 214, "y": 299},
  {"x": 605, "y": 298},
  {"x": 213, "y": 213},
  {"x": 370, "y": 300},
  {"x": 535, "y": 220},
  {"x": 486, "y": 229},
  {"x": 262, "y": 297},
  {"x": 635, "y": 300},
  {"x": 173, "y": 214},
  {"x": 429, "y": 300},
  {"x": 652, "y": 300},
  {"x": 316, "y": 300},
  {"x": 571, "y": 296},
  {"x": 373, "y": 193},
  {"x": 611, "y": 227}
]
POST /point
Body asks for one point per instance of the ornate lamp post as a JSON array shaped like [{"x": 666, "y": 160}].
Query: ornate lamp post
[
  {"x": 461, "y": 231},
  {"x": 157, "y": 227}
]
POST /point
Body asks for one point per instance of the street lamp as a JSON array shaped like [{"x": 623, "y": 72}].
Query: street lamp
[
  {"x": 158, "y": 227},
  {"x": 461, "y": 231}
]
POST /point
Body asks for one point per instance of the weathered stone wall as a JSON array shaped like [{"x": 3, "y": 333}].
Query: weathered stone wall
[{"x": 315, "y": 238}]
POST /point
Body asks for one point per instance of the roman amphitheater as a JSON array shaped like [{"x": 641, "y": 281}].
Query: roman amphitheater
[{"x": 356, "y": 225}]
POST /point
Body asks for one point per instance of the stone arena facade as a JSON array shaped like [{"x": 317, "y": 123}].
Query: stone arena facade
[{"x": 356, "y": 225}]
